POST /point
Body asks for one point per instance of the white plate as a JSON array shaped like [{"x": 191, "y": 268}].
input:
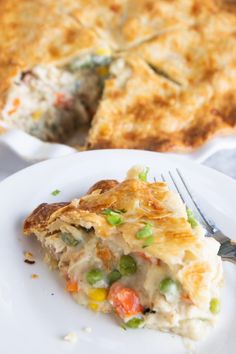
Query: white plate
[{"x": 32, "y": 320}]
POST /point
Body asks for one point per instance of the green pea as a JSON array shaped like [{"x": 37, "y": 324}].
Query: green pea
[
  {"x": 215, "y": 306},
  {"x": 135, "y": 323},
  {"x": 127, "y": 265},
  {"x": 114, "y": 219},
  {"x": 113, "y": 216},
  {"x": 69, "y": 239},
  {"x": 94, "y": 275},
  {"x": 148, "y": 241},
  {"x": 168, "y": 287},
  {"x": 191, "y": 218},
  {"x": 113, "y": 276},
  {"x": 143, "y": 175},
  {"x": 113, "y": 211},
  {"x": 145, "y": 232}
]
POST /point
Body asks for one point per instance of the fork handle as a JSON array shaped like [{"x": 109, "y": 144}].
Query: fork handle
[{"x": 227, "y": 251}]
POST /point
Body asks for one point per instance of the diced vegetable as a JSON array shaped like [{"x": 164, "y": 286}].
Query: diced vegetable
[
  {"x": 127, "y": 265},
  {"x": 114, "y": 276},
  {"x": 62, "y": 101},
  {"x": 191, "y": 218},
  {"x": 69, "y": 239},
  {"x": 152, "y": 260},
  {"x": 99, "y": 294},
  {"x": 124, "y": 300},
  {"x": 104, "y": 51},
  {"x": 186, "y": 298},
  {"x": 143, "y": 175},
  {"x": 55, "y": 192},
  {"x": 215, "y": 306},
  {"x": 114, "y": 220},
  {"x": 94, "y": 276},
  {"x": 168, "y": 287},
  {"x": 16, "y": 102},
  {"x": 36, "y": 115},
  {"x": 144, "y": 232},
  {"x": 148, "y": 241},
  {"x": 113, "y": 216},
  {"x": 72, "y": 286},
  {"x": 135, "y": 322},
  {"x": 143, "y": 256}
]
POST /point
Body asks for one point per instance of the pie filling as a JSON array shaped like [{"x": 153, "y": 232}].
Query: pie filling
[
  {"x": 52, "y": 102},
  {"x": 141, "y": 290},
  {"x": 57, "y": 104}
]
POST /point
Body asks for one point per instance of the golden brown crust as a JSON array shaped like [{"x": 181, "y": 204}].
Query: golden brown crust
[
  {"x": 120, "y": 196},
  {"x": 40, "y": 216},
  {"x": 151, "y": 112},
  {"x": 103, "y": 185},
  {"x": 124, "y": 195}
]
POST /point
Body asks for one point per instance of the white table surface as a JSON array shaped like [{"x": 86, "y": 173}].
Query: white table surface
[{"x": 224, "y": 161}]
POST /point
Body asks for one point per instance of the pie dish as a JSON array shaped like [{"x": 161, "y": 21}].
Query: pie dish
[
  {"x": 155, "y": 75},
  {"x": 132, "y": 248}
]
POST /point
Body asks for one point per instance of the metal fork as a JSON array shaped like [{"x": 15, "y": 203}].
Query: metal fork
[{"x": 176, "y": 181}]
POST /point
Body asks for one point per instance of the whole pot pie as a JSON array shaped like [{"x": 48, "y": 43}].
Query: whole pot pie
[
  {"x": 132, "y": 249},
  {"x": 157, "y": 75}
]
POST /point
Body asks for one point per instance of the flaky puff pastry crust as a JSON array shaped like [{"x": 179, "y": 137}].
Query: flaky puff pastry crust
[{"x": 152, "y": 112}]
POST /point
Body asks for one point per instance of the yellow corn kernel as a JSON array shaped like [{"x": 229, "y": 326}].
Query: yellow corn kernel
[
  {"x": 102, "y": 70},
  {"x": 99, "y": 294},
  {"x": 103, "y": 51},
  {"x": 92, "y": 306},
  {"x": 36, "y": 115}
]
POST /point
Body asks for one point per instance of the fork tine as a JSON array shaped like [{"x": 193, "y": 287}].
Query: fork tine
[
  {"x": 177, "y": 188},
  {"x": 172, "y": 184},
  {"x": 180, "y": 187},
  {"x": 163, "y": 178},
  {"x": 195, "y": 207},
  {"x": 176, "y": 181}
]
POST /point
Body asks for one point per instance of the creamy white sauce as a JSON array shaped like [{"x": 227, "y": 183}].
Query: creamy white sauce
[{"x": 51, "y": 102}]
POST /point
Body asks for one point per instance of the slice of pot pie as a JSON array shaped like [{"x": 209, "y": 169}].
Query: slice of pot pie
[{"x": 131, "y": 249}]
